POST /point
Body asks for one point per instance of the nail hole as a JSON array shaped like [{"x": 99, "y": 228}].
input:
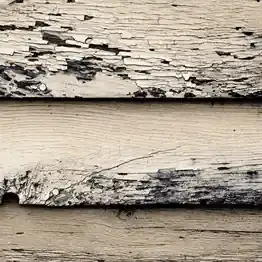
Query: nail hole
[
  {"x": 88, "y": 17},
  {"x": 9, "y": 198},
  {"x": 248, "y": 33},
  {"x": 164, "y": 61}
]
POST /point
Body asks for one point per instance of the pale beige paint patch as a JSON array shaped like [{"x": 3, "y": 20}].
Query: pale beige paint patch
[{"x": 83, "y": 235}]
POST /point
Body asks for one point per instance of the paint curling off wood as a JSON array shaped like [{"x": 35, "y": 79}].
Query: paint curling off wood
[
  {"x": 130, "y": 154},
  {"x": 130, "y": 49}
]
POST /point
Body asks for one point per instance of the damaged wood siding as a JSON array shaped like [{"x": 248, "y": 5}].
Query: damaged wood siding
[
  {"x": 63, "y": 154},
  {"x": 88, "y": 235},
  {"x": 163, "y": 48}
]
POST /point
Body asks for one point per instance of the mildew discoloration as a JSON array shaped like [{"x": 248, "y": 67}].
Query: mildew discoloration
[
  {"x": 167, "y": 186},
  {"x": 164, "y": 49}
]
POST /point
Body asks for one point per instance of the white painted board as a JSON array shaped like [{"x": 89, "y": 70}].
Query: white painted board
[{"x": 89, "y": 153}]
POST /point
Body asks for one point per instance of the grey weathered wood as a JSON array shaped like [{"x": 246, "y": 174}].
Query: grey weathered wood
[
  {"x": 137, "y": 48},
  {"x": 64, "y": 154},
  {"x": 87, "y": 235}
]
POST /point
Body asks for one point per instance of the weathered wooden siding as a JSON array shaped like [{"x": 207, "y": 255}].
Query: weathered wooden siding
[
  {"x": 84, "y": 235},
  {"x": 136, "y": 48},
  {"x": 71, "y": 153}
]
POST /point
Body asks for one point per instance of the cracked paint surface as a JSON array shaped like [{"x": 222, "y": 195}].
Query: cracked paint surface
[{"x": 132, "y": 49}]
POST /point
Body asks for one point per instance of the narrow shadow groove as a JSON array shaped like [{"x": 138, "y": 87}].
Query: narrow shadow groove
[
  {"x": 133, "y": 208},
  {"x": 212, "y": 101}
]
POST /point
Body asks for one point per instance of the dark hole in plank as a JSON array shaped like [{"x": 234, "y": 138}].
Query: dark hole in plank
[{"x": 10, "y": 198}]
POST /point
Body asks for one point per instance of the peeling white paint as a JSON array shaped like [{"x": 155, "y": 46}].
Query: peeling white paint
[{"x": 143, "y": 48}]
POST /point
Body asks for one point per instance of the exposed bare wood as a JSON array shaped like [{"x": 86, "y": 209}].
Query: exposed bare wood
[
  {"x": 163, "y": 48},
  {"x": 84, "y": 235},
  {"x": 124, "y": 153}
]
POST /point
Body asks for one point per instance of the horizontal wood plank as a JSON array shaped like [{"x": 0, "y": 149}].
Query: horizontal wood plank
[
  {"x": 135, "y": 48},
  {"x": 69, "y": 153},
  {"x": 85, "y": 235}
]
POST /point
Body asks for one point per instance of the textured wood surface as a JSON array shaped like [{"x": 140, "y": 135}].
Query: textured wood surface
[
  {"x": 136, "y": 48},
  {"x": 130, "y": 153},
  {"x": 84, "y": 235}
]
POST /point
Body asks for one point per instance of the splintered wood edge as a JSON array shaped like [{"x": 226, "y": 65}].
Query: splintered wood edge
[
  {"x": 67, "y": 154},
  {"x": 133, "y": 49}
]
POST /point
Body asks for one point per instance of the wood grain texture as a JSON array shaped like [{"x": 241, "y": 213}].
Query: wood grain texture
[
  {"x": 133, "y": 48},
  {"x": 64, "y": 154},
  {"x": 87, "y": 235}
]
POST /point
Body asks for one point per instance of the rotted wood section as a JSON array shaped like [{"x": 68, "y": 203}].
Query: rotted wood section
[
  {"x": 111, "y": 153},
  {"x": 133, "y": 48},
  {"x": 95, "y": 235}
]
